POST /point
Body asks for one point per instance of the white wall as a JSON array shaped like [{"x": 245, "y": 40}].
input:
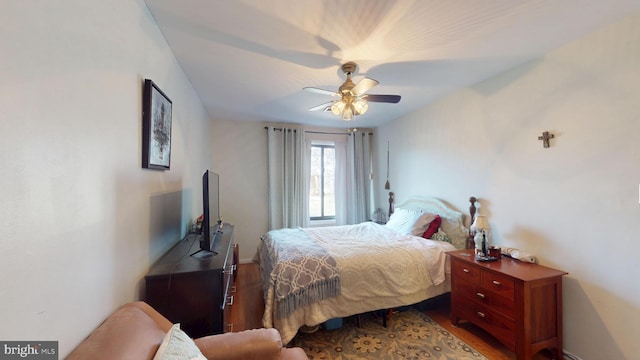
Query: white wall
[
  {"x": 240, "y": 155},
  {"x": 80, "y": 221},
  {"x": 575, "y": 204}
]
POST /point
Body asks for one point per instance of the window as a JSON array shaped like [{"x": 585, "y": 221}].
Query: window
[{"x": 322, "y": 204}]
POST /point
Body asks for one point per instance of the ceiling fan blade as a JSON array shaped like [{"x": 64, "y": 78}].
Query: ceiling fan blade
[
  {"x": 363, "y": 85},
  {"x": 394, "y": 99},
  {"x": 324, "y": 107},
  {"x": 320, "y": 91}
]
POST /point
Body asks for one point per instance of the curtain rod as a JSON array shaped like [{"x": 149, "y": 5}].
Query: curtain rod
[{"x": 317, "y": 132}]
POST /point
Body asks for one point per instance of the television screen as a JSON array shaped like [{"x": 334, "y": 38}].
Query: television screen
[{"x": 211, "y": 210}]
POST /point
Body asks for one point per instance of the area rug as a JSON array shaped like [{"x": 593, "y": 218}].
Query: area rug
[{"x": 409, "y": 334}]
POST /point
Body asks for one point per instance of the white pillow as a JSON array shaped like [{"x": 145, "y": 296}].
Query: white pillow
[
  {"x": 177, "y": 345},
  {"x": 410, "y": 222}
]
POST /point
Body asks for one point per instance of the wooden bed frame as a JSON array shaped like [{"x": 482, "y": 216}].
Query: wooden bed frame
[{"x": 453, "y": 225}]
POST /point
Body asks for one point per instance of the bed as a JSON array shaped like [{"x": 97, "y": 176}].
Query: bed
[{"x": 312, "y": 275}]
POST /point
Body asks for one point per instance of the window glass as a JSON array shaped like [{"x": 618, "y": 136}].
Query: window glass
[{"x": 322, "y": 182}]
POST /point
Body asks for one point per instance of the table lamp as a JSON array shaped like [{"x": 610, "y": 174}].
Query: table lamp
[{"x": 480, "y": 226}]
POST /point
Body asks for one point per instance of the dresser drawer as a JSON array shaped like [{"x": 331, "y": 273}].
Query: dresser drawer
[
  {"x": 479, "y": 295},
  {"x": 499, "y": 284},
  {"x": 465, "y": 288},
  {"x": 501, "y": 327},
  {"x": 226, "y": 314},
  {"x": 228, "y": 283},
  {"x": 498, "y": 303},
  {"x": 229, "y": 293},
  {"x": 466, "y": 272}
]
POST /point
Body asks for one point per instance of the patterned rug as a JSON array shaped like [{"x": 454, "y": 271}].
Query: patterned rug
[{"x": 409, "y": 334}]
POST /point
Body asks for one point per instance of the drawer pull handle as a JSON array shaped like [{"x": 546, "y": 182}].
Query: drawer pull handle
[
  {"x": 230, "y": 270},
  {"x": 496, "y": 283},
  {"x": 229, "y": 327},
  {"x": 481, "y": 314},
  {"x": 465, "y": 270},
  {"x": 480, "y": 295},
  {"x": 229, "y": 300}
]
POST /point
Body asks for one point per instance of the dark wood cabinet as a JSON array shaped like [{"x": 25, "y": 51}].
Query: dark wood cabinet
[
  {"x": 519, "y": 303},
  {"x": 195, "y": 290}
]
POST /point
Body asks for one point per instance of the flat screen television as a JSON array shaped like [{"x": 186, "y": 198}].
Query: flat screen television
[{"x": 211, "y": 213}]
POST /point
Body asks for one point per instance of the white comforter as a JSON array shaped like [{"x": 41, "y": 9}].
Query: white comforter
[{"x": 379, "y": 268}]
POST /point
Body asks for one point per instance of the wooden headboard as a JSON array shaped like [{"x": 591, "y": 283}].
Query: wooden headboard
[{"x": 472, "y": 211}]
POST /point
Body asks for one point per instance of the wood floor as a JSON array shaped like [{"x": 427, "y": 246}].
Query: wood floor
[{"x": 248, "y": 308}]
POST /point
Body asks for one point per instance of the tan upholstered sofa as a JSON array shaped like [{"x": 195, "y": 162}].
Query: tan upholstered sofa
[{"x": 136, "y": 330}]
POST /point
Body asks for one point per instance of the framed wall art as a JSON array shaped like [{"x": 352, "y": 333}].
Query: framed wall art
[{"x": 156, "y": 128}]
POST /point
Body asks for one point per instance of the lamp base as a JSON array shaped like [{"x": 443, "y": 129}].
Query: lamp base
[{"x": 486, "y": 258}]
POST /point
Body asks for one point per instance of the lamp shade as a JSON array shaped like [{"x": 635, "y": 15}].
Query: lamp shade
[
  {"x": 360, "y": 106},
  {"x": 348, "y": 107},
  {"x": 480, "y": 223},
  {"x": 337, "y": 108},
  {"x": 347, "y": 113}
]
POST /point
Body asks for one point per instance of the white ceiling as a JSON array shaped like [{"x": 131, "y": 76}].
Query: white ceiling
[{"x": 249, "y": 59}]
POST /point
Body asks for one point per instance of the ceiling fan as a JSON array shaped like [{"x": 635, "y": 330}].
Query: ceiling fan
[{"x": 353, "y": 100}]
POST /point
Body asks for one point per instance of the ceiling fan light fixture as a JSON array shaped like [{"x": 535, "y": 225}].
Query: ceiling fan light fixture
[
  {"x": 347, "y": 114},
  {"x": 353, "y": 98},
  {"x": 337, "y": 108},
  {"x": 360, "y": 106}
]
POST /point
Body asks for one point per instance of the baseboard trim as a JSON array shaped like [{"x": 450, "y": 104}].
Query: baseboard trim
[{"x": 569, "y": 356}]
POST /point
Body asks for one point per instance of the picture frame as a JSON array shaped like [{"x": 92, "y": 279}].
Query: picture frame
[{"x": 156, "y": 127}]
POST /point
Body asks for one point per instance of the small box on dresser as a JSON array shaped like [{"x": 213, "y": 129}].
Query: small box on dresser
[{"x": 519, "y": 303}]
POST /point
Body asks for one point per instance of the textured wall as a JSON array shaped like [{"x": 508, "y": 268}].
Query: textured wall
[
  {"x": 575, "y": 204},
  {"x": 80, "y": 221}
]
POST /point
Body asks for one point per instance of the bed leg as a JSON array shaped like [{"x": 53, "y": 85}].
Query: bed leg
[{"x": 386, "y": 314}]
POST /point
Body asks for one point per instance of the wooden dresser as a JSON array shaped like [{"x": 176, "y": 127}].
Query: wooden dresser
[
  {"x": 195, "y": 291},
  {"x": 519, "y": 303}
]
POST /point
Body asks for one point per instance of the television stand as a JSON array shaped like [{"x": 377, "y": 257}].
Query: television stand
[
  {"x": 214, "y": 246},
  {"x": 195, "y": 291},
  {"x": 204, "y": 253}
]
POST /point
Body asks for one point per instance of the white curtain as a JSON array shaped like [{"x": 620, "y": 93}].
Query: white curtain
[
  {"x": 353, "y": 179},
  {"x": 341, "y": 182},
  {"x": 288, "y": 166}
]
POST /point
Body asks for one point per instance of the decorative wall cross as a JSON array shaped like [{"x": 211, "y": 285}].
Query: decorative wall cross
[{"x": 545, "y": 138}]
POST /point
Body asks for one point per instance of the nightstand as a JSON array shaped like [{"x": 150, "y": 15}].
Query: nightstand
[{"x": 519, "y": 303}]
